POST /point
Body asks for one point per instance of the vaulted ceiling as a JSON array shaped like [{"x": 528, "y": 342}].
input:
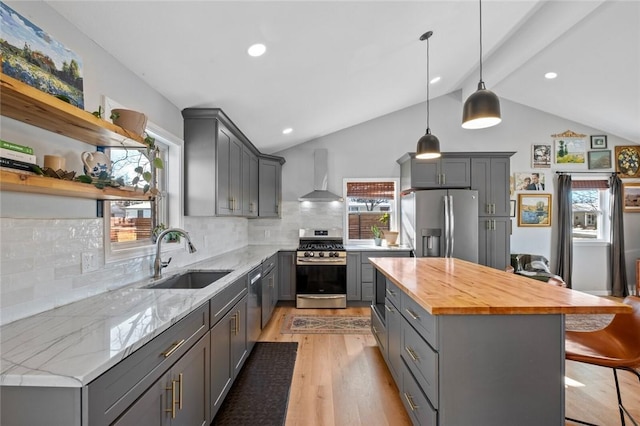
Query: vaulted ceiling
[{"x": 333, "y": 64}]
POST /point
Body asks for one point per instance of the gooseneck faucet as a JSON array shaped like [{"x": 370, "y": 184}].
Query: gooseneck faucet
[{"x": 158, "y": 264}]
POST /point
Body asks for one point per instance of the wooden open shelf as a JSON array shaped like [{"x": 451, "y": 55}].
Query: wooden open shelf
[
  {"x": 19, "y": 182},
  {"x": 32, "y": 106}
]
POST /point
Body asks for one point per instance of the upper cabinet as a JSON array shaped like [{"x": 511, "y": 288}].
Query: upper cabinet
[
  {"x": 34, "y": 107},
  {"x": 270, "y": 194},
  {"x": 222, "y": 170},
  {"x": 452, "y": 170},
  {"x": 490, "y": 177}
]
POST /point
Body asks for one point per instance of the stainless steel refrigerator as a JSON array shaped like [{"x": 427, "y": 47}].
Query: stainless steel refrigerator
[{"x": 441, "y": 223}]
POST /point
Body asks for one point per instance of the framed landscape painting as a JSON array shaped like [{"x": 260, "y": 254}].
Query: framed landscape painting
[
  {"x": 631, "y": 197},
  {"x": 534, "y": 210},
  {"x": 32, "y": 56},
  {"x": 570, "y": 150},
  {"x": 600, "y": 159}
]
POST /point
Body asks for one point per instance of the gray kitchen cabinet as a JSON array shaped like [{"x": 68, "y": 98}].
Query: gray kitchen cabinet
[
  {"x": 354, "y": 285},
  {"x": 287, "y": 275},
  {"x": 229, "y": 350},
  {"x": 270, "y": 191},
  {"x": 490, "y": 177},
  {"x": 367, "y": 271},
  {"x": 494, "y": 241},
  {"x": 180, "y": 397},
  {"x": 222, "y": 170},
  {"x": 269, "y": 287},
  {"x": 452, "y": 170},
  {"x": 250, "y": 183}
]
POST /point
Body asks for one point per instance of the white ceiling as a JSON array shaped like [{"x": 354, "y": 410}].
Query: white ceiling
[{"x": 333, "y": 64}]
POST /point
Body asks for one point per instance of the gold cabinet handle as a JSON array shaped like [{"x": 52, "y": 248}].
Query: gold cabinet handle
[
  {"x": 180, "y": 394},
  {"x": 390, "y": 292},
  {"x": 412, "y": 404},
  {"x": 172, "y": 410},
  {"x": 238, "y": 323},
  {"x": 172, "y": 349},
  {"x": 388, "y": 308},
  {"x": 375, "y": 330},
  {"x": 412, "y": 314},
  {"x": 411, "y": 353}
]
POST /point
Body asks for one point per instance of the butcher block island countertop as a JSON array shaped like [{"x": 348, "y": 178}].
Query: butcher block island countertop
[{"x": 449, "y": 286}]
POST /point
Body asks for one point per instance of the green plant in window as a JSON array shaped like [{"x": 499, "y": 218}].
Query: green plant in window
[{"x": 376, "y": 231}]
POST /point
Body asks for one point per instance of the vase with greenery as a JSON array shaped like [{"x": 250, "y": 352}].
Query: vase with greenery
[
  {"x": 377, "y": 235},
  {"x": 390, "y": 236}
]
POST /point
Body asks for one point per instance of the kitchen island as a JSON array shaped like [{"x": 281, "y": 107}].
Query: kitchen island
[{"x": 468, "y": 344}]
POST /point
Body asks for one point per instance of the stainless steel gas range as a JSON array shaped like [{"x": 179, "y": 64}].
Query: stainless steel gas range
[{"x": 321, "y": 269}]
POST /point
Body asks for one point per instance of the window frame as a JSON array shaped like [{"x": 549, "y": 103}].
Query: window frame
[
  {"x": 395, "y": 209},
  {"x": 604, "y": 213},
  {"x": 172, "y": 209}
]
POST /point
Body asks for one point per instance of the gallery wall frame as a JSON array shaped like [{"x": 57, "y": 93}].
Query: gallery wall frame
[
  {"x": 534, "y": 210},
  {"x": 598, "y": 141},
  {"x": 570, "y": 148},
  {"x": 529, "y": 181},
  {"x": 599, "y": 159},
  {"x": 627, "y": 161},
  {"x": 512, "y": 208},
  {"x": 541, "y": 156},
  {"x": 631, "y": 197}
]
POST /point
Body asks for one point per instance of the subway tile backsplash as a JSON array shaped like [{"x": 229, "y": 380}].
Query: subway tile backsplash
[{"x": 40, "y": 259}]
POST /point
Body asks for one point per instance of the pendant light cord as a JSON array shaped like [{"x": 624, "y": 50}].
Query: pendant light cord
[
  {"x": 480, "y": 1},
  {"x": 428, "y": 82}
]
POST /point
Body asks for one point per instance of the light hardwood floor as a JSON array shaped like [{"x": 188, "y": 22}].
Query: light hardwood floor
[{"x": 342, "y": 379}]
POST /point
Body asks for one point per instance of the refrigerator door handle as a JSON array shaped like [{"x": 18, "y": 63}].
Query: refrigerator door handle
[
  {"x": 446, "y": 226},
  {"x": 451, "y": 226}
]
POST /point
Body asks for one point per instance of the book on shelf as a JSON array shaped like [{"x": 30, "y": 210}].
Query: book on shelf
[
  {"x": 16, "y": 147},
  {"x": 17, "y": 155},
  {"x": 18, "y": 165},
  {"x": 22, "y": 172}
]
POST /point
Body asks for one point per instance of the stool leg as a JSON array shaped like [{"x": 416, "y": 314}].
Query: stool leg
[{"x": 621, "y": 407}]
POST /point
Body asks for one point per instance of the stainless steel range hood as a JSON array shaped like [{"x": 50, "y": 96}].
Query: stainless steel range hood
[{"x": 320, "y": 178}]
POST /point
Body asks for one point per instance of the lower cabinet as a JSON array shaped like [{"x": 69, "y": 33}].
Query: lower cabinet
[
  {"x": 180, "y": 397},
  {"x": 269, "y": 287},
  {"x": 494, "y": 246},
  {"x": 354, "y": 286},
  {"x": 287, "y": 275},
  {"x": 229, "y": 350},
  {"x": 360, "y": 283}
]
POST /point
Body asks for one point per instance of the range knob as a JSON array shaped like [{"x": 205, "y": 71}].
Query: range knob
[
  {"x": 321, "y": 254},
  {"x": 308, "y": 254},
  {"x": 333, "y": 254}
]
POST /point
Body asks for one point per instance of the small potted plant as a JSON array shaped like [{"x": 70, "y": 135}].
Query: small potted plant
[
  {"x": 377, "y": 235},
  {"x": 390, "y": 236}
]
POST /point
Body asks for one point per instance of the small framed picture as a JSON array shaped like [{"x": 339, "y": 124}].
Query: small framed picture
[
  {"x": 631, "y": 197},
  {"x": 534, "y": 210},
  {"x": 541, "y": 156},
  {"x": 598, "y": 141},
  {"x": 512, "y": 210},
  {"x": 528, "y": 181},
  {"x": 600, "y": 159}
]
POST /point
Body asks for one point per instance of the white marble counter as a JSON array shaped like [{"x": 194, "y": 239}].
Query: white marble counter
[
  {"x": 71, "y": 345},
  {"x": 373, "y": 247}
]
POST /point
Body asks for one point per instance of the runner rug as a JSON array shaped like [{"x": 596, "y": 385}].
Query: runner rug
[
  {"x": 586, "y": 322},
  {"x": 326, "y": 324},
  {"x": 260, "y": 394}
]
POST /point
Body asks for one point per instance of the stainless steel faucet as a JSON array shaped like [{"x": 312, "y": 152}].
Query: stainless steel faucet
[{"x": 158, "y": 264}]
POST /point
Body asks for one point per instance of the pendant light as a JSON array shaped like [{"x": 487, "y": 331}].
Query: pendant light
[
  {"x": 428, "y": 145},
  {"x": 482, "y": 108}
]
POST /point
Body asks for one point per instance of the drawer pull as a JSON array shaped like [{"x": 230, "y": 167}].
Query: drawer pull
[
  {"x": 391, "y": 292},
  {"x": 180, "y": 393},
  {"x": 411, "y": 353},
  {"x": 412, "y": 314},
  {"x": 173, "y": 348},
  {"x": 412, "y": 404},
  {"x": 388, "y": 308},
  {"x": 375, "y": 330},
  {"x": 172, "y": 410}
]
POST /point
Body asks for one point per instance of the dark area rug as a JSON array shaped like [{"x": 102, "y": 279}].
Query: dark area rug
[
  {"x": 326, "y": 324},
  {"x": 260, "y": 394}
]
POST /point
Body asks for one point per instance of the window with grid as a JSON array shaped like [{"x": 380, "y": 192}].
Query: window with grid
[
  {"x": 590, "y": 199},
  {"x": 367, "y": 201}
]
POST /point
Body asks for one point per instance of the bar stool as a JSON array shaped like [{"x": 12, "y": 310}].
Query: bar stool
[{"x": 616, "y": 346}]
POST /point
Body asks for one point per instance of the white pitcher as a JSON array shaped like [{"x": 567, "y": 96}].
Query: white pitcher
[{"x": 95, "y": 163}]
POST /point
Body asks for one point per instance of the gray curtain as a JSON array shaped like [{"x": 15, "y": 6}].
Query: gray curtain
[
  {"x": 617, "y": 264},
  {"x": 565, "y": 237}
]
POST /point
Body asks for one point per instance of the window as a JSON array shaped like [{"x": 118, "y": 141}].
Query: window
[
  {"x": 367, "y": 200},
  {"x": 128, "y": 225},
  {"x": 590, "y": 210}
]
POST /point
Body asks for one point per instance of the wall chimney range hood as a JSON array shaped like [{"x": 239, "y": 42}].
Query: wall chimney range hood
[{"x": 320, "y": 178}]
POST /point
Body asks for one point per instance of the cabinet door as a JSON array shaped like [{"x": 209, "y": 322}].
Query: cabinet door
[
  {"x": 249, "y": 183},
  {"x": 190, "y": 377},
  {"x": 425, "y": 173},
  {"x": 394, "y": 338},
  {"x": 490, "y": 177},
  {"x": 269, "y": 293},
  {"x": 221, "y": 366},
  {"x": 353, "y": 276},
  {"x": 494, "y": 235},
  {"x": 287, "y": 275},
  {"x": 149, "y": 409},
  {"x": 224, "y": 204},
  {"x": 270, "y": 188},
  {"x": 239, "y": 341},
  {"x": 455, "y": 172}
]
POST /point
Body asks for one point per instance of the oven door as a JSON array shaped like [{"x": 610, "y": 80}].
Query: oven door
[{"x": 321, "y": 286}]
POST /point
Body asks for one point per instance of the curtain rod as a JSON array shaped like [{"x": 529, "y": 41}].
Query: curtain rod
[{"x": 592, "y": 173}]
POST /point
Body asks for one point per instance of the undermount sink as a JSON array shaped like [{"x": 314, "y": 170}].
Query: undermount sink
[{"x": 190, "y": 280}]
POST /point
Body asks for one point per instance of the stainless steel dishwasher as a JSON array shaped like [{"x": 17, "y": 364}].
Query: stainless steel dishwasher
[{"x": 254, "y": 309}]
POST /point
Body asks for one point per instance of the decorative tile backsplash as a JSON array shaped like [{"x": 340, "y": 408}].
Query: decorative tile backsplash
[{"x": 40, "y": 259}]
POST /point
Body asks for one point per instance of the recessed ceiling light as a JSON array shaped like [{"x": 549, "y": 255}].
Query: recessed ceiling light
[
  {"x": 287, "y": 131},
  {"x": 550, "y": 75},
  {"x": 434, "y": 80},
  {"x": 257, "y": 49}
]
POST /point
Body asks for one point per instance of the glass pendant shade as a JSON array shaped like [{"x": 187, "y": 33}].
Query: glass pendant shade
[
  {"x": 481, "y": 110},
  {"x": 428, "y": 146}
]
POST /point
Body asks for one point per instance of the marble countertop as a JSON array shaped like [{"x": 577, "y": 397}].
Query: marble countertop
[
  {"x": 448, "y": 286},
  {"x": 71, "y": 345},
  {"x": 373, "y": 247}
]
